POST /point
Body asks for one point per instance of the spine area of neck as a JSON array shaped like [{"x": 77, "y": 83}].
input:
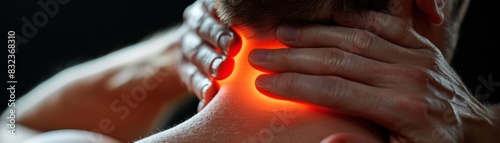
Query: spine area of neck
[{"x": 243, "y": 76}]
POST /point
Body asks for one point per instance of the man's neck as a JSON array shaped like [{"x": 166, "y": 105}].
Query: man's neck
[
  {"x": 243, "y": 75},
  {"x": 240, "y": 113}
]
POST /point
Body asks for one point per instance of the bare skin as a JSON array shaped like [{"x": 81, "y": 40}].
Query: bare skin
[
  {"x": 239, "y": 113},
  {"x": 87, "y": 99},
  {"x": 105, "y": 95},
  {"x": 412, "y": 40},
  {"x": 481, "y": 131}
]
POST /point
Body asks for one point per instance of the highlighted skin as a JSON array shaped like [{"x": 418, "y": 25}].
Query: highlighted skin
[
  {"x": 240, "y": 113},
  {"x": 243, "y": 75}
]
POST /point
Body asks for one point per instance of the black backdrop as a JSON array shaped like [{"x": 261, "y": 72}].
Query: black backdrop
[{"x": 85, "y": 29}]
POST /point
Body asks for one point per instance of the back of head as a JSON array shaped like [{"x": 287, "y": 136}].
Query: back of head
[{"x": 262, "y": 17}]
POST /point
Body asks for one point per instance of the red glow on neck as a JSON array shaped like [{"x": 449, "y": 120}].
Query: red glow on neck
[{"x": 244, "y": 75}]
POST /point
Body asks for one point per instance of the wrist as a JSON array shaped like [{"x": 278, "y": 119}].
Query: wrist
[{"x": 484, "y": 130}]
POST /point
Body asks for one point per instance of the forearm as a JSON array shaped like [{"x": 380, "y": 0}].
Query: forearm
[
  {"x": 120, "y": 95},
  {"x": 494, "y": 134}
]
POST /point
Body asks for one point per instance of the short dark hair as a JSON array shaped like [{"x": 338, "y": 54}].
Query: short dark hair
[{"x": 263, "y": 16}]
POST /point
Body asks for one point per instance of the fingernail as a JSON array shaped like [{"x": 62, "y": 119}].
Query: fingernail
[
  {"x": 201, "y": 104},
  {"x": 224, "y": 41},
  {"x": 204, "y": 90},
  {"x": 214, "y": 67},
  {"x": 266, "y": 80},
  {"x": 289, "y": 33},
  {"x": 234, "y": 46},
  {"x": 259, "y": 55}
]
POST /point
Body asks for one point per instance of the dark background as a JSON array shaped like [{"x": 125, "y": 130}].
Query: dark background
[{"x": 85, "y": 29}]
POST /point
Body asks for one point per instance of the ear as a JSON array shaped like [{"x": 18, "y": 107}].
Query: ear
[{"x": 433, "y": 10}]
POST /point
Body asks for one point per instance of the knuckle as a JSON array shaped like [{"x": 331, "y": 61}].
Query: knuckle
[
  {"x": 280, "y": 58},
  {"x": 332, "y": 61},
  {"x": 195, "y": 79},
  {"x": 433, "y": 52},
  {"x": 214, "y": 31},
  {"x": 312, "y": 34},
  {"x": 186, "y": 14},
  {"x": 202, "y": 55},
  {"x": 186, "y": 72},
  {"x": 289, "y": 81},
  {"x": 418, "y": 108},
  {"x": 211, "y": 10},
  {"x": 188, "y": 11},
  {"x": 372, "y": 21},
  {"x": 417, "y": 76},
  {"x": 363, "y": 40},
  {"x": 405, "y": 29},
  {"x": 430, "y": 59},
  {"x": 206, "y": 60},
  {"x": 432, "y": 64},
  {"x": 190, "y": 45},
  {"x": 207, "y": 25},
  {"x": 193, "y": 15},
  {"x": 333, "y": 89}
]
